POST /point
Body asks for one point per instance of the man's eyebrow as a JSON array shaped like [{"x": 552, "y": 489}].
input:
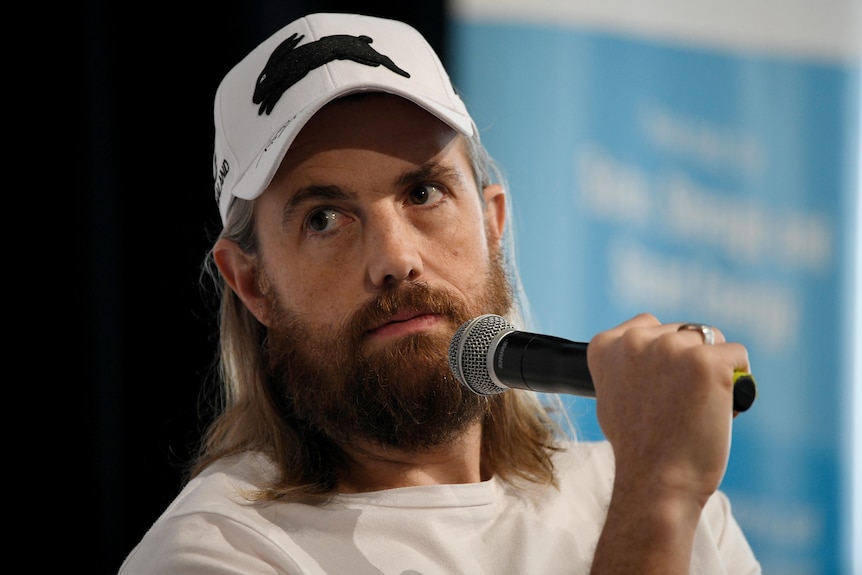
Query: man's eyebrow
[
  {"x": 431, "y": 171},
  {"x": 312, "y": 193}
]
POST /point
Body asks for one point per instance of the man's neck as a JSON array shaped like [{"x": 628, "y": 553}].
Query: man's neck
[{"x": 374, "y": 468}]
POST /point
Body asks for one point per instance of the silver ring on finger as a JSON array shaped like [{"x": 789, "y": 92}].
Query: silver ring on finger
[{"x": 706, "y": 332}]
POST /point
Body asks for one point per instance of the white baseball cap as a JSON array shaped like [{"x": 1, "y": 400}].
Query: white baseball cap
[{"x": 266, "y": 99}]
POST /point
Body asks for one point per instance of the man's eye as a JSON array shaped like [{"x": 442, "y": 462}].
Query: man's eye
[
  {"x": 323, "y": 220},
  {"x": 425, "y": 193}
]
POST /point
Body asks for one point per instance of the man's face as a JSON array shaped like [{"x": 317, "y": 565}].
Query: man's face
[{"x": 374, "y": 248}]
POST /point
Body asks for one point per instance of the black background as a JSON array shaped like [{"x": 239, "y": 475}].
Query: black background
[{"x": 121, "y": 218}]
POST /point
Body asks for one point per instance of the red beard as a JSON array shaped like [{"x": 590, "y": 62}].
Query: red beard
[{"x": 402, "y": 396}]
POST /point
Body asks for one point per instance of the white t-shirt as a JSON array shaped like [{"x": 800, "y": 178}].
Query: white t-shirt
[{"x": 487, "y": 528}]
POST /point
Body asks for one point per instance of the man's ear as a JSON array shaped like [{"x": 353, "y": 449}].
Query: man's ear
[
  {"x": 495, "y": 211},
  {"x": 240, "y": 270}
]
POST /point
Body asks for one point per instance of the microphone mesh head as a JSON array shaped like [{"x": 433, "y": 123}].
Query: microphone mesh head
[{"x": 468, "y": 352}]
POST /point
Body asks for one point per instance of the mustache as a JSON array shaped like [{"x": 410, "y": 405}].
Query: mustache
[{"x": 413, "y": 297}]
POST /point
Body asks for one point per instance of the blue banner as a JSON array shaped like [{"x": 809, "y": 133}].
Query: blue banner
[{"x": 700, "y": 184}]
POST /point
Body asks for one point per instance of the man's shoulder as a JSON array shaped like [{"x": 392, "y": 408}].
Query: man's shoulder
[
  {"x": 226, "y": 482},
  {"x": 585, "y": 466},
  {"x": 214, "y": 511}
]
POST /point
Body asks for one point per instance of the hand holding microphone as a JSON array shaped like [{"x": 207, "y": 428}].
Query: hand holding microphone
[
  {"x": 489, "y": 356},
  {"x": 663, "y": 400}
]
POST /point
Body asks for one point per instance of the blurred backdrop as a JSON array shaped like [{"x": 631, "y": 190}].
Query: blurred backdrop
[
  {"x": 653, "y": 152},
  {"x": 698, "y": 160}
]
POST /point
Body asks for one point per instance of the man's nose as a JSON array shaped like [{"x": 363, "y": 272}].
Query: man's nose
[{"x": 392, "y": 248}]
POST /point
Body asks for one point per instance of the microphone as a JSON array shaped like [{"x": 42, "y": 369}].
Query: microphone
[{"x": 489, "y": 356}]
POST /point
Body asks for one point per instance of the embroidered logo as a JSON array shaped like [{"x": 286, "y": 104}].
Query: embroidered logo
[
  {"x": 220, "y": 175},
  {"x": 288, "y": 63}
]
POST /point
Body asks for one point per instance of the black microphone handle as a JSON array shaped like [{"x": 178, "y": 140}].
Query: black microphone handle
[
  {"x": 542, "y": 363},
  {"x": 549, "y": 364}
]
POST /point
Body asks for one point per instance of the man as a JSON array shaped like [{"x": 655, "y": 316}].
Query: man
[{"x": 362, "y": 226}]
